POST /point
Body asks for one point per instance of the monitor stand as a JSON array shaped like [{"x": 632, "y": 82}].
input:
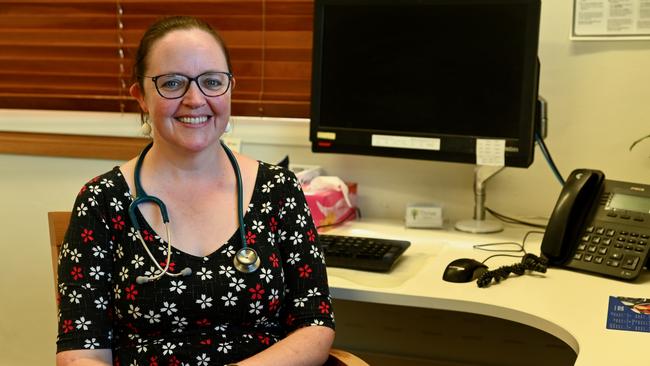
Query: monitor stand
[{"x": 479, "y": 224}]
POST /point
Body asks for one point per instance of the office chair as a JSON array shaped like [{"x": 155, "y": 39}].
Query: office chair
[{"x": 58, "y": 222}]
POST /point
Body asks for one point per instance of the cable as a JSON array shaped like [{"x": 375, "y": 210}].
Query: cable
[
  {"x": 549, "y": 159},
  {"x": 511, "y": 220}
]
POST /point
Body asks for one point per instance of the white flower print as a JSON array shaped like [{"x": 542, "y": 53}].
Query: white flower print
[
  {"x": 227, "y": 271},
  {"x": 101, "y": 303},
  {"x": 81, "y": 210},
  {"x": 282, "y": 235},
  {"x": 237, "y": 283},
  {"x": 134, "y": 311},
  {"x": 93, "y": 201},
  {"x": 168, "y": 348},
  {"x": 266, "y": 207},
  {"x": 204, "y": 360},
  {"x": 124, "y": 274},
  {"x": 205, "y": 274},
  {"x": 95, "y": 190},
  {"x": 119, "y": 251},
  {"x": 117, "y": 204},
  {"x": 271, "y": 238},
  {"x": 318, "y": 322},
  {"x": 291, "y": 203},
  {"x": 258, "y": 226},
  {"x": 230, "y": 251},
  {"x": 82, "y": 323},
  {"x": 301, "y": 221},
  {"x": 153, "y": 317},
  {"x": 265, "y": 274},
  {"x": 266, "y": 188},
  {"x": 256, "y": 308},
  {"x": 132, "y": 234},
  {"x": 96, "y": 272},
  {"x": 299, "y": 302},
  {"x": 313, "y": 292},
  {"x": 229, "y": 299},
  {"x": 296, "y": 238},
  {"x": 141, "y": 346},
  {"x": 75, "y": 255},
  {"x": 177, "y": 286},
  {"x": 314, "y": 251},
  {"x": 296, "y": 184},
  {"x": 179, "y": 323},
  {"x": 224, "y": 347},
  {"x": 274, "y": 295},
  {"x": 75, "y": 297},
  {"x": 91, "y": 343},
  {"x": 293, "y": 258},
  {"x": 99, "y": 252},
  {"x": 281, "y": 212},
  {"x": 204, "y": 301},
  {"x": 168, "y": 308},
  {"x": 137, "y": 261},
  {"x": 107, "y": 182},
  {"x": 117, "y": 292},
  {"x": 280, "y": 178}
]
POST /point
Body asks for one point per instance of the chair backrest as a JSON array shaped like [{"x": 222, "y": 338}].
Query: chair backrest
[{"x": 59, "y": 221}]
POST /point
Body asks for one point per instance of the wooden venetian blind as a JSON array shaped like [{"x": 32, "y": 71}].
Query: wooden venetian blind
[{"x": 77, "y": 54}]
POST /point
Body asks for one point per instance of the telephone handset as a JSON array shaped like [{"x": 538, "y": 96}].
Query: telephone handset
[{"x": 599, "y": 225}]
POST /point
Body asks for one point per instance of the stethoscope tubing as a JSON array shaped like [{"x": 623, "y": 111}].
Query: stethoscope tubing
[{"x": 246, "y": 259}]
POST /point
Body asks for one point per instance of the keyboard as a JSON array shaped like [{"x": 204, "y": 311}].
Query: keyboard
[{"x": 361, "y": 253}]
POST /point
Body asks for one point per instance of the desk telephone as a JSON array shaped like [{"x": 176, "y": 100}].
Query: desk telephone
[{"x": 600, "y": 226}]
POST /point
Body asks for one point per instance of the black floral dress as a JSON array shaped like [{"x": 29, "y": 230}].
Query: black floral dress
[{"x": 215, "y": 315}]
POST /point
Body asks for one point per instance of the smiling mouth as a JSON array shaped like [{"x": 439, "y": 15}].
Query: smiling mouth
[{"x": 193, "y": 120}]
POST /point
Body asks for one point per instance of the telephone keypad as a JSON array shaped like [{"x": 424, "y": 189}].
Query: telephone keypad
[{"x": 605, "y": 246}]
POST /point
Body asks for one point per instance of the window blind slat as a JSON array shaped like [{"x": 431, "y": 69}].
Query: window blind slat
[{"x": 66, "y": 54}]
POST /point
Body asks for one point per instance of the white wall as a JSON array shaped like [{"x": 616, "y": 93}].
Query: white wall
[{"x": 598, "y": 99}]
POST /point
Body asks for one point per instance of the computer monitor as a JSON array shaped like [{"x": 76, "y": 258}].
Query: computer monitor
[{"x": 426, "y": 79}]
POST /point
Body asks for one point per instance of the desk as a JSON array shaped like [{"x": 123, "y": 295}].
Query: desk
[{"x": 569, "y": 305}]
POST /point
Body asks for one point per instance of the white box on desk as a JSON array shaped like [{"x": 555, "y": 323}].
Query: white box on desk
[{"x": 424, "y": 216}]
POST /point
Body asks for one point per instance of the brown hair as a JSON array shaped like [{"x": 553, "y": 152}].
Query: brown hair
[{"x": 161, "y": 28}]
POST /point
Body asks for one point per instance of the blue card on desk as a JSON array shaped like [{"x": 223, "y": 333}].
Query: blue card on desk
[{"x": 628, "y": 313}]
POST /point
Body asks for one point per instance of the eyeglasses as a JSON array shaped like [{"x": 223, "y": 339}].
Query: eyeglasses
[{"x": 174, "y": 86}]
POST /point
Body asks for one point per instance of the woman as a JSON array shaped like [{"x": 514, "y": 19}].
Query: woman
[{"x": 190, "y": 303}]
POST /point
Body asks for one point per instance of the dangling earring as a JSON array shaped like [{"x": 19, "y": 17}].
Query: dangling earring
[
  {"x": 228, "y": 127},
  {"x": 145, "y": 127}
]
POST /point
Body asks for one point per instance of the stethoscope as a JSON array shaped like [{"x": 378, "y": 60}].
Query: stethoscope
[{"x": 246, "y": 259}]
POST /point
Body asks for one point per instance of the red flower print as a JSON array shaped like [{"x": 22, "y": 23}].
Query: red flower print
[
  {"x": 324, "y": 307},
  {"x": 273, "y": 225},
  {"x": 257, "y": 292},
  {"x": 263, "y": 339},
  {"x": 153, "y": 361},
  {"x": 67, "y": 326},
  {"x": 131, "y": 292},
  {"x": 206, "y": 341},
  {"x": 171, "y": 265},
  {"x": 275, "y": 261},
  {"x": 304, "y": 271},
  {"x": 310, "y": 235},
  {"x": 290, "y": 319},
  {"x": 87, "y": 235},
  {"x": 147, "y": 236},
  {"x": 118, "y": 222},
  {"x": 250, "y": 237},
  {"x": 83, "y": 189},
  {"x": 203, "y": 322},
  {"x": 173, "y": 361},
  {"x": 76, "y": 273},
  {"x": 273, "y": 305}
]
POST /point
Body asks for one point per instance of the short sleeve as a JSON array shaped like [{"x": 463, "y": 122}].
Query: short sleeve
[
  {"x": 84, "y": 274},
  {"x": 307, "y": 297}
]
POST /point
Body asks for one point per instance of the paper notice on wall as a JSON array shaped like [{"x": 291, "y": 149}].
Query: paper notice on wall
[
  {"x": 611, "y": 20},
  {"x": 490, "y": 152}
]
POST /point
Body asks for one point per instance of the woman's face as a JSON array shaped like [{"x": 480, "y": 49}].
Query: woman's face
[{"x": 194, "y": 121}]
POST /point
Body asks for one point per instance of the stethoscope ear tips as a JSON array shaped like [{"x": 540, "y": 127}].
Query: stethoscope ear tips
[{"x": 246, "y": 260}]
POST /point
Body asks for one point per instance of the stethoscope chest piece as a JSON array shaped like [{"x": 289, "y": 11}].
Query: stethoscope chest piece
[{"x": 246, "y": 260}]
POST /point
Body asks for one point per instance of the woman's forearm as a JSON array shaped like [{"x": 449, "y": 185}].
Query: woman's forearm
[{"x": 308, "y": 346}]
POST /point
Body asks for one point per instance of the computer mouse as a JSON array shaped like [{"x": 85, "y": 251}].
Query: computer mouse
[{"x": 464, "y": 270}]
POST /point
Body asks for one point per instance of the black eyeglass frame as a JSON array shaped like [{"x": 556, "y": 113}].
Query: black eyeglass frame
[{"x": 189, "y": 83}]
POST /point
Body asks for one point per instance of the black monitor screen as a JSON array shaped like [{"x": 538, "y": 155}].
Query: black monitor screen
[{"x": 449, "y": 70}]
